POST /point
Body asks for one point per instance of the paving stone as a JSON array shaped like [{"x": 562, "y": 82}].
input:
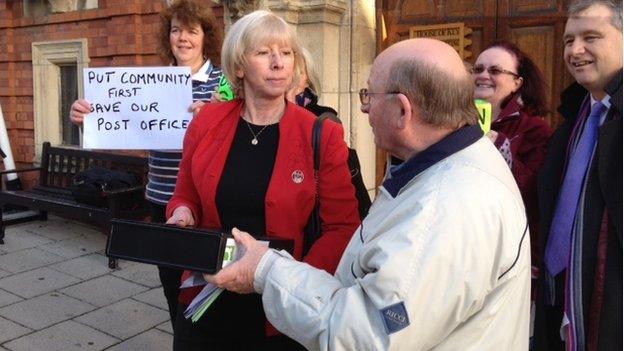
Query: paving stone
[
  {"x": 144, "y": 274},
  {"x": 103, "y": 290},
  {"x": 4, "y": 273},
  {"x": 84, "y": 267},
  {"x": 28, "y": 259},
  {"x": 43, "y": 311},
  {"x": 15, "y": 240},
  {"x": 153, "y": 340},
  {"x": 154, "y": 297},
  {"x": 6, "y": 298},
  {"x": 10, "y": 330},
  {"x": 58, "y": 228},
  {"x": 36, "y": 282},
  {"x": 166, "y": 327},
  {"x": 76, "y": 247},
  {"x": 66, "y": 336},
  {"x": 124, "y": 319}
]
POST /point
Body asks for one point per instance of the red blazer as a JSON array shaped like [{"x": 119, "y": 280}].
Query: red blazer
[{"x": 289, "y": 201}]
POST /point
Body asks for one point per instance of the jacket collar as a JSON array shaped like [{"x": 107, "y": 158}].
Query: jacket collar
[
  {"x": 573, "y": 96},
  {"x": 452, "y": 143},
  {"x": 203, "y": 73},
  {"x": 511, "y": 110},
  {"x": 614, "y": 89}
]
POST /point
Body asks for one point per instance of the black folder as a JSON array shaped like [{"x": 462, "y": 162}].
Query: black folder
[
  {"x": 166, "y": 245},
  {"x": 199, "y": 250}
]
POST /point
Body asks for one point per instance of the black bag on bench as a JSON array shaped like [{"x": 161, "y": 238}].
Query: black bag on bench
[{"x": 89, "y": 186}]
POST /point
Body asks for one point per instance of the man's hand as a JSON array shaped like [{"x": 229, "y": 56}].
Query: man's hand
[
  {"x": 182, "y": 217},
  {"x": 79, "y": 109},
  {"x": 239, "y": 276}
]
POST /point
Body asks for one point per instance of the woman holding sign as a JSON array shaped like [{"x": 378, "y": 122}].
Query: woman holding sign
[
  {"x": 189, "y": 36},
  {"x": 248, "y": 164},
  {"x": 509, "y": 80}
]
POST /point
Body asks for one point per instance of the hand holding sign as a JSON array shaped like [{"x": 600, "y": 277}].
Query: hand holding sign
[{"x": 137, "y": 108}]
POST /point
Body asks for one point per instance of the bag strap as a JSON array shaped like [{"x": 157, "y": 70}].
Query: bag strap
[
  {"x": 331, "y": 115},
  {"x": 315, "y": 218},
  {"x": 316, "y": 146}
]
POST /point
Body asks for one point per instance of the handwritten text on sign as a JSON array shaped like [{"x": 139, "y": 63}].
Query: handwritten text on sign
[{"x": 137, "y": 107}]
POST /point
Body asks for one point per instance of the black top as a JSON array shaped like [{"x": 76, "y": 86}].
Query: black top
[{"x": 245, "y": 179}]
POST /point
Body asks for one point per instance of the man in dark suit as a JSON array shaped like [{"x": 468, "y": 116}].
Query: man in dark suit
[{"x": 580, "y": 187}]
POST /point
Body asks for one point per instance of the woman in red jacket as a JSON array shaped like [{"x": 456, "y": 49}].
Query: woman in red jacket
[
  {"x": 508, "y": 79},
  {"x": 248, "y": 164}
]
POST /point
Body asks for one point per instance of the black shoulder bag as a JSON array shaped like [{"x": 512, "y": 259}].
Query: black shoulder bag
[{"x": 312, "y": 230}]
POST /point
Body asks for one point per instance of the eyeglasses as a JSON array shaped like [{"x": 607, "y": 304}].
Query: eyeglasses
[
  {"x": 492, "y": 70},
  {"x": 365, "y": 95}
]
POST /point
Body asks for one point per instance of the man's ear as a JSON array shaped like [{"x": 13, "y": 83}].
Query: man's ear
[{"x": 406, "y": 111}]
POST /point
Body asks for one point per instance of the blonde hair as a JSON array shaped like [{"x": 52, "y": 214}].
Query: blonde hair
[
  {"x": 250, "y": 31},
  {"x": 308, "y": 67}
]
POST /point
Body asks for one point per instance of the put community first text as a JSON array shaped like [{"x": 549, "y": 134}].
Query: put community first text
[{"x": 130, "y": 92}]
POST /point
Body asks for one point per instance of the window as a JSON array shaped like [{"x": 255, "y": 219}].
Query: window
[
  {"x": 68, "y": 94},
  {"x": 57, "y": 82},
  {"x": 36, "y": 8}
]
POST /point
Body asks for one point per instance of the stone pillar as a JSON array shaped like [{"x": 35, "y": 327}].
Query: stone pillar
[
  {"x": 360, "y": 34},
  {"x": 235, "y": 9},
  {"x": 340, "y": 36}
]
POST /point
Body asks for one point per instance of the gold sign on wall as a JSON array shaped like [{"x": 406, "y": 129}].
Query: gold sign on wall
[{"x": 453, "y": 34}]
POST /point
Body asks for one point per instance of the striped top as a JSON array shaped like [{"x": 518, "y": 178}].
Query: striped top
[{"x": 164, "y": 164}]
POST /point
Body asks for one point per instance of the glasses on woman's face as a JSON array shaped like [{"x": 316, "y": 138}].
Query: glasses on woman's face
[
  {"x": 365, "y": 95},
  {"x": 492, "y": 70}
]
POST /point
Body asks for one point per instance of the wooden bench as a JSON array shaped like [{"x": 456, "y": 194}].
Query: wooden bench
[{"x": 52, "y": 194}]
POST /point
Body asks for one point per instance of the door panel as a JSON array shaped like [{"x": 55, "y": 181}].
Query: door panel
[
  {"x": 525, "y": 6},
  {"x": 536, "y": 26},
  {"x": 539, "y": 43}
]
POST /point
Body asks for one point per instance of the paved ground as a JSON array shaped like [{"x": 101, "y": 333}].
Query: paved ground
[{"x": 57, "y": 293}]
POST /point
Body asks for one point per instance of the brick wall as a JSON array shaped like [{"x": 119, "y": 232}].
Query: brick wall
[{"x": 119, "y": 33}]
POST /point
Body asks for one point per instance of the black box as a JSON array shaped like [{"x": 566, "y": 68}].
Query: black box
[{"x": 199, "y": 250}]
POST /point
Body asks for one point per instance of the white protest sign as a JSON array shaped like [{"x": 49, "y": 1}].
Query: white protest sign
[{"x": 137, "y": 107}]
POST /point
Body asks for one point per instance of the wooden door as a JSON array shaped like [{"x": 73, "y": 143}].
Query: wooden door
[{"x": 536, "y": 26}]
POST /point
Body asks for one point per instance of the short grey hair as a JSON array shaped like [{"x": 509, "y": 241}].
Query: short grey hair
[
  {"x": 443, "y": 99},
  {"x": 615, "y": 6},
  {"x": 250, "y": 31}
]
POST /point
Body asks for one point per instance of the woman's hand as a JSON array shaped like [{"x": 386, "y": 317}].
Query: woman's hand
[
  {"x": 239, "y": 276},
  {"x": 182, "y": 217},
  {"x": 492, "y": 135},
  {"x": 196, "y": 106},
  {"x": 79, "y": 109}
]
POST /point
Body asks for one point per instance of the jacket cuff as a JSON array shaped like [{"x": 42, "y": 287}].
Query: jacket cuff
[
  {"x": 262, "y": 270},
  {"x": 264, "y": 267}
]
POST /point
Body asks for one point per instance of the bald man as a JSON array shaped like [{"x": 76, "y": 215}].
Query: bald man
[{"x": 442, "y": 259}]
